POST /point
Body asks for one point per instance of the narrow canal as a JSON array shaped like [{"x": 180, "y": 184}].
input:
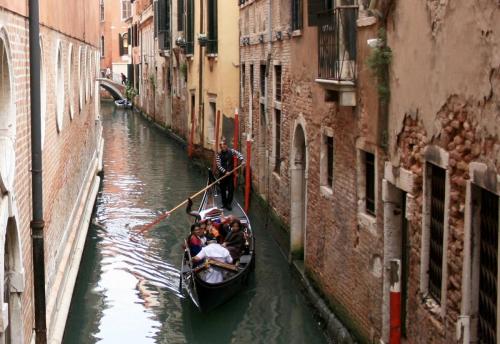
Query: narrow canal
[{"x": 127, "y": 289}]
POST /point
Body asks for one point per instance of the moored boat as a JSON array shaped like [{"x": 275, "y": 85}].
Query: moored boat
[
  {"x": 205, "y": 295},
  {"x": 123, "y": 103}
]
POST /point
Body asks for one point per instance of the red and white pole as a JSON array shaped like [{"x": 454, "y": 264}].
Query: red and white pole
[
  {"x": 395, "y": 302},
  {"x": 191, "y": 136},
  {"x": 247, "y": 173},
  {"x": 235, "y": 142}
]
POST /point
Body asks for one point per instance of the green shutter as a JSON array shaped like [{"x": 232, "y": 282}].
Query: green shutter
[
  {"x": 190, "y": 28},
  {"x": 180, "y": 15},
  {"x": 212, "y": 27}
]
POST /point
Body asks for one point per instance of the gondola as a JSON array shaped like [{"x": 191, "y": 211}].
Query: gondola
[
  {"x": 207, "y": 296},
  {"x": 123, "y": 103}
]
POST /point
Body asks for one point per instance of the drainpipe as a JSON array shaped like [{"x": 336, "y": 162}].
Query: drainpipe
[
  {"x": 201, "y": 117},
  {"x": 37, "y": 222}
]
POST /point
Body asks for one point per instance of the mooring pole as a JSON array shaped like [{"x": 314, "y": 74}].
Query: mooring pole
[
  {"x": 216, "y": 149},
  {"x": 395, "y": 302},
  {"x": 247, "y": 173},
  {"x": 235, "y": 142}
]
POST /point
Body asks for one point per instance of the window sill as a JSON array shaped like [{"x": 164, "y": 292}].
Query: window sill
[
  {"x": 277, "y": 105},
  {"x": 297, "y": 33},
  {"x": 212, "y": 55},
  {"x": 276, "y": 175},
  {"x": 367, "y": 222},
  {"x": 326, "y": 192}
]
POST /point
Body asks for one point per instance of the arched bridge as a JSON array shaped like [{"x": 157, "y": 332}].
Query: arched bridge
[{"x": 116, "y": 90}]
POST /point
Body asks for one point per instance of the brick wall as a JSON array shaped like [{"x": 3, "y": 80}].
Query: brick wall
[{"x": 66, "y": 154}]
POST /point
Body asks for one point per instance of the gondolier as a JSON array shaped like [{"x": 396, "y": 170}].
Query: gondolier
[{"x": 225, "y": 164}]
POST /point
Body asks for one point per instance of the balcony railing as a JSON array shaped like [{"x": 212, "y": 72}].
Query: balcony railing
[{"x": 337, "y": 44}]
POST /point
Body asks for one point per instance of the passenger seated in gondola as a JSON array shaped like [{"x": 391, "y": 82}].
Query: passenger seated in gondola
[
  {"x": 217, "y": 252},
  {"x": 196, "y": 239},
  {"x": 235, "y": 239},
  {"x": 212, "y": 232}
]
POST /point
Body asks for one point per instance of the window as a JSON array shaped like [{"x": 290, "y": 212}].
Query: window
[
  {"x": 211, "y": 121},
  {"x": 262, "y": 80},
  {"x": 277, "y": 83},
  {"x": 122, "y": 44},
  {"x": 180, "y": 15},
  {"x": 102, "y": 47},
  {"x": 212, "y": 27},
  {"x": 327, "y": 158},
  {"x": 296, "y": 14},
  {"x": 190, "y": 28},
  {"x": 277, "y": 141},
  {"x": 101, "y": 10},
  {"x": 251, "y": 79},
  {"x": 370, "y": 183},
  {"x": 163, "y": 24},
  {"x": 436, "y": 180},
  {"x": 155, "y": 11},
  {"x": 126, "y": 9}
]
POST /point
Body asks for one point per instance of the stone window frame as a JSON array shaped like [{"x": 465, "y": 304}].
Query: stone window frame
[
  {"x": 59, "y": 86},
  {"x": 325, "y": 189},
  {"x": 365, "y": 219},
  {"x": 277, "y": 103},
  {"x": 481, "y": 177},
  {"x": 439, "y": 157}
]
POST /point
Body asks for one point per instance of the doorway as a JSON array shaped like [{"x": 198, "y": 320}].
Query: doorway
[{"x": 298, "y": 195}]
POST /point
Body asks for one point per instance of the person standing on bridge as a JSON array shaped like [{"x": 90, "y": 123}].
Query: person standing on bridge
[
  {"x": 124, "y": 79},
  {"x": 225, "y": 164}
]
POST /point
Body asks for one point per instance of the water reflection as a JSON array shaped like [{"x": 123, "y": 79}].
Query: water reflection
[{"x": 128, "y": 285}]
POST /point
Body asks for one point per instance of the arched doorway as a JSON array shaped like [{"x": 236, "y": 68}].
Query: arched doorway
[{"x": 298, "y": 194}]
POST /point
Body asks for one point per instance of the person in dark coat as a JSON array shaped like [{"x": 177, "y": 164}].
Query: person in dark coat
[
  {"x": 235, "y": 240},
  {"x": 225, "y": 164}
]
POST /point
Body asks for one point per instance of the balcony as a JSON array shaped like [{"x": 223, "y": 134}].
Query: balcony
[{"x": 337, "y": 52}]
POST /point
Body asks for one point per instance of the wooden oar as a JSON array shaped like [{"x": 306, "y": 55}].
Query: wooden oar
[{"x": 166, "y": 214}]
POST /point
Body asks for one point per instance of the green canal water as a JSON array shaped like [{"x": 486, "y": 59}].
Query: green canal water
[{"x": 127, "y": 289}]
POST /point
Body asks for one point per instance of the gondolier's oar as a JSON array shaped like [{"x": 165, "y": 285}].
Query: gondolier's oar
[{"x": 166, "y": 214}]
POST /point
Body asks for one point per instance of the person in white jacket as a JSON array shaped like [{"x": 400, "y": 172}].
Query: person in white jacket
[{"x": 214, "y": 251}]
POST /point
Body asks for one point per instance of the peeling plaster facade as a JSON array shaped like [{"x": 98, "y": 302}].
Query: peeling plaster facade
[{"x": 444, "y": 111}]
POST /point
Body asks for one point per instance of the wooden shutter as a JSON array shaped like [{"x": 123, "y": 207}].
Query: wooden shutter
[
  {"x": 156, "y": 18},
  {"x": 180, "y": 15},
  {"x": 313, "y": 8}
]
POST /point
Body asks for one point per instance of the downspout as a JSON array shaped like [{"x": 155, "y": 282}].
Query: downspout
[
  {"x": 201, "y": 117},
  {"x": 37, "y": 224}
]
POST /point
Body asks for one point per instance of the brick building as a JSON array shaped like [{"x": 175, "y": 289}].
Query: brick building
[
  {"x": 71, "y": 151},
  {"x": 114, "y": 40},
  {"x": 310, "y": 105}
]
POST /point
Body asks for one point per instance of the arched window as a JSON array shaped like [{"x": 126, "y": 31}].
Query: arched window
[{"x": 59, "y": 88}]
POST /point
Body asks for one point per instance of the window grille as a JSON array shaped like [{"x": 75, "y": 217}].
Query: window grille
[
  {"x": 437, "y": 183},
  {"x": 370, "y": 183},
  {"x": 277, "y": 82},
  {"x": 277, "y": 143},
  {"x": 488, "y": 269}
]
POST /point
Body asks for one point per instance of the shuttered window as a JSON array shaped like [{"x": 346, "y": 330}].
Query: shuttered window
[
  {"x": 437, "y": 183},
  {"x": 190, "y": 27},
  {"x": 262, "y": 80},
  {"x": 155, "y": 18},
  {"x": 121, "y": 45},
  {"x": 212, "y": 27},
  {"x": 329, "y": 164},
  {"x": 163, "y": 24},
  {"x": 180, "y": 15},
  {"x": 296, "y": 14}
]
